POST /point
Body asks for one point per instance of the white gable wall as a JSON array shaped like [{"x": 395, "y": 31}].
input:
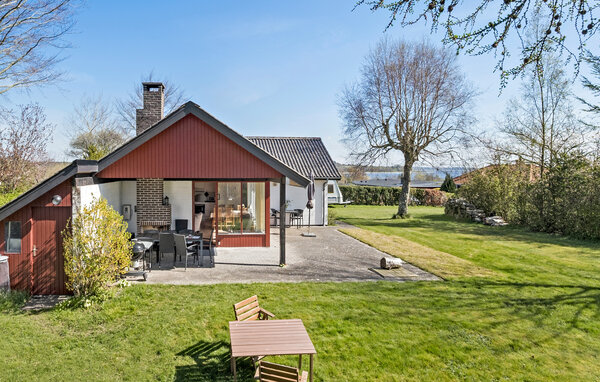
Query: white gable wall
[{"x": 181, "y": 199}]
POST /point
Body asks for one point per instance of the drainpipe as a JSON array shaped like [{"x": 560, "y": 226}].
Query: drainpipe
[{"x": 324, "y": 199}]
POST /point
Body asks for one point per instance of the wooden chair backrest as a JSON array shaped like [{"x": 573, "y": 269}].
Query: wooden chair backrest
[
  {"x": 247, "y": 310},
  {"x": 273, "y": 372}
]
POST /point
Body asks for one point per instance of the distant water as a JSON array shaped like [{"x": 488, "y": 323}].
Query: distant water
[{"x": 419, "y": 172}]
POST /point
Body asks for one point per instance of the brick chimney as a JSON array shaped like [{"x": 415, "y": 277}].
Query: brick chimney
[{"x": 154, "y": 106}]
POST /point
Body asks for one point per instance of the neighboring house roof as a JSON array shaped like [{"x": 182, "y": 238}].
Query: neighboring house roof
[
  {"x": 396, "y": 183},
  {"x": 304, "y": 154},
  {"x": 78, "y": 166},
  {"x": 194, "y": 109},
  {"x": 530, "y": 171}
]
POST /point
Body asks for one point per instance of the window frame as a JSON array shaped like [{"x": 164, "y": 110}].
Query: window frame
[
  {"x": 7, "y": 237},
  {"x": 242, "y": 231}
]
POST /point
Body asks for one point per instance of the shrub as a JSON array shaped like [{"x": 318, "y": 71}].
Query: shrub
[
  {"x": 448, "y": 185},
  {"x": 331, "y": 215},
  {"x": 496, "y": 191},
  {"x": 97, "y": 249},
  {"x": 565, "y": 200}
]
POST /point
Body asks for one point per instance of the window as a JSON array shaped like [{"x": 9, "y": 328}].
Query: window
[
  {"x": 241, "y": 207},
  {"x": 12, "y": 233},
  {"x": 230, "y": 196},
  {"x": 330, "y": 188},
  {"x": 253, "y": 207}
]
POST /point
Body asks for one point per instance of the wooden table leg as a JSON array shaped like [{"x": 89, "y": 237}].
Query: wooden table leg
[
  {"x": 299, "y": 361},
  {"x": 233, "y": 368},
  {"x": 310, "y": 375}
]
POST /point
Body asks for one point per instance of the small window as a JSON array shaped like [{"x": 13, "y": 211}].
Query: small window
[
  {"x": 330, "y": 188},
  {"x": 12, "y": 233}
]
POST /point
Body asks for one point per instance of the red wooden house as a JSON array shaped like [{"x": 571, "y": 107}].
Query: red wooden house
[{"x": 187, "y": 170}]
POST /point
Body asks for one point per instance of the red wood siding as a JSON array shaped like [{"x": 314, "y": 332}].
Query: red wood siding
[
  {"x": 21, "y": 264},
  {"x": 189, "y": 149},
  {"x": 254, "y": 240}
]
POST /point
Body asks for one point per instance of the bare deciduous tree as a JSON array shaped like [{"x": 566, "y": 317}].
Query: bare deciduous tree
[
  {"x": 29, "y": 32},
  {"x": 174, "y": 97},
  {"x": 478, "y": 27},
  {"x": 541, "y": 123},
  {"x": 94, "y": 130},
  {"x": 24, "y": 136},
  {"x": 411, "y": 98}
]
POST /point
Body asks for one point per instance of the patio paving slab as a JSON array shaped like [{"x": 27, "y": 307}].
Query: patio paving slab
[{"x": 330, "y": 256}]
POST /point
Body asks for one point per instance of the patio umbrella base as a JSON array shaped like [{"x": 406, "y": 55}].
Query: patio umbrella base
[{"x": 309, "y": 234}]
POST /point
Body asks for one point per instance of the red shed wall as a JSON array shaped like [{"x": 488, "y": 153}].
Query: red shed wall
[
  {"x": 190, "y": 149},
  {"x": 20, "y": 264}
]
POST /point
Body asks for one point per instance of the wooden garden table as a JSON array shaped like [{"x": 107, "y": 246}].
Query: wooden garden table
[{"x": 270, "y": 337}]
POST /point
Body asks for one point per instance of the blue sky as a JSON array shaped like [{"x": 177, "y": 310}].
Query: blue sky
[{"x": 262, "y": 67}]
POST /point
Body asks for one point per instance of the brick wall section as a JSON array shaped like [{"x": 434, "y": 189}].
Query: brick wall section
[
  {"x": 149, "y": 195},
  {"x": 154, "y": 106}
]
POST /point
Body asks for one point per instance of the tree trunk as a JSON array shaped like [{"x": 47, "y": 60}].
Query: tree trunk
[{"x": 405, "y": 194}]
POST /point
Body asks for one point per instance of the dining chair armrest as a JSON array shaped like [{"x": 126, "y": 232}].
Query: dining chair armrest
[{"x": 266, "y": 313}]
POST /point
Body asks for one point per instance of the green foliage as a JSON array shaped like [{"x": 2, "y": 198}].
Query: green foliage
[
  {"x": 496, "y": 191},
  {"x": 390, "y": 196},
  {"x": 97, "y": 249},
  {"x": 12, "y": 301},
  {"x": 9, "y": 196},
  {"x": 565, "y": 200},
  {"x": 448, "y": 185},
  {"x": 331, "y": 215}
]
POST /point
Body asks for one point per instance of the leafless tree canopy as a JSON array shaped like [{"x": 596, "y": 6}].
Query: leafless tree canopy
[
  {"x": 481, "y": 26},
  {"x": 94, "y": 130},
  {"x": 541, "y": 123},
  {"x": 411, "y": 98},
  {"x": 125, "y": 107},
  {"x": 30, "y": 30},
  {"x": 24, "y": 136}
]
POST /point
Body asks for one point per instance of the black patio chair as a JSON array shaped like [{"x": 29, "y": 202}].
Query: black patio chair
[
  {"x": 274, "y": 215},
  {"x": 297, "y": 217},
  {"x": 183, "y": 250},
  {"x": 166, "y": 245}
]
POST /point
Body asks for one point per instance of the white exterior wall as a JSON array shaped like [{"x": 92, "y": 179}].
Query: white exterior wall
[
  {"x": 181, "y": 198},
  {"x": 116, "y": 194},
  {"x": 298, "y": 198},
  {"x": 128, "y": 196},
  {"x": 109, "y": 191}
]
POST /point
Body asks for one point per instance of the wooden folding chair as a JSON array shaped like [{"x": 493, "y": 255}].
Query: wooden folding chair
[
  {"x": 273, "y": 372},
  {"x": 249, "y": 310}
]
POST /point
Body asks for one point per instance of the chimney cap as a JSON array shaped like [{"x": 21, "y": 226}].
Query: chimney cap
[{"x": 152, "y": 85}]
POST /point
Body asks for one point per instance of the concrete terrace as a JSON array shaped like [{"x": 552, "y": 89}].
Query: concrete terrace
[{"x": 331, "y": 256}]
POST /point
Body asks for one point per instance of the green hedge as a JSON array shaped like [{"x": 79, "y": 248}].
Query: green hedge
[
  {"x": 566, "y": 201},
  {"x": 390, "y": 196}
]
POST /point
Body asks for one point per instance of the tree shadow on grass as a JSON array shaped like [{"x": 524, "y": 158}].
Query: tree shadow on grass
[{"x": 211, "y": 363}]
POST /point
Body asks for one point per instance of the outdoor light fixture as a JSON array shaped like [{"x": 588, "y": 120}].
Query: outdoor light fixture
[
  {"x": 56, "y": 199},
  {"x": 166, "y": 201}
]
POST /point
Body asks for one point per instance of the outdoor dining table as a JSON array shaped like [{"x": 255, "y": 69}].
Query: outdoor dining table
[{"x": 270, "y": 337}]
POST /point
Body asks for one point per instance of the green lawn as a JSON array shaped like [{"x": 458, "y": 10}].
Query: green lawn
[{"x": 535, "y": 317}]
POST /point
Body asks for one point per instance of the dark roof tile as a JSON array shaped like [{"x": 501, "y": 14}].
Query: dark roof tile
[{"x": 303, "y": 154}]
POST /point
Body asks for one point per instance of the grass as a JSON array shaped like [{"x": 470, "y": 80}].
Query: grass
[
  {"x": 439, "y": 263},
  {"x": 536, "y": 318}
]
